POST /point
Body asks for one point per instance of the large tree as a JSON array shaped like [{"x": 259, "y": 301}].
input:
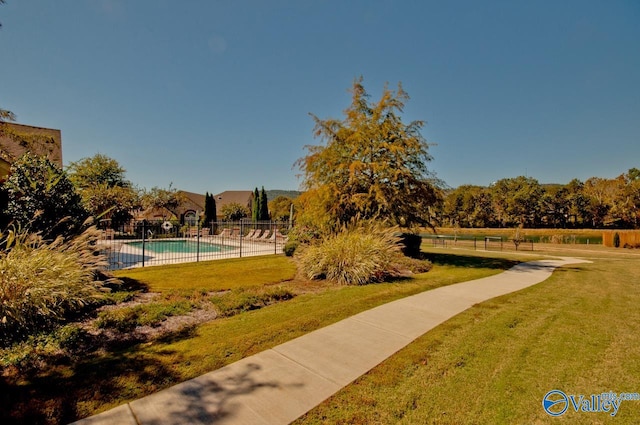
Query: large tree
[
  {"x": 234, "y": 211},
  {"x": 517, "y": 201},
  {"x": 280, "y": 208},
  {"x": 105, "y": 191},
  {"x": 600, "y": 194},
  {"x": 371, "y": 165},
  {"x": 42, "y": 198},
  {"x": 468, "y": 206},
  {"x": 163, "y": 199}
]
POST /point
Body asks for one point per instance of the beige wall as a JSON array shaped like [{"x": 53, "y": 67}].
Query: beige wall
[{"x": 16, "y": 139}]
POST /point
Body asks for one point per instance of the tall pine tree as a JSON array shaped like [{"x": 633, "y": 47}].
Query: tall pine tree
[
  {"x": 255, "y": 205},
  {"x": 264, "y": 206},
  {"x": 210, "y": 213}
]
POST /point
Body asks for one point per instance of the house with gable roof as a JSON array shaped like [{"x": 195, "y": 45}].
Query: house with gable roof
[{"x": 192, "y": 207}]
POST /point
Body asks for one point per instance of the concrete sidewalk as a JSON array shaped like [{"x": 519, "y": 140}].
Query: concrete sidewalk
[{"x": 281, "y": 384}]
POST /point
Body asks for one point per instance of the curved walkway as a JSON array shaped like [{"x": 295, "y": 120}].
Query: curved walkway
[{"x": 278, "y": 385}]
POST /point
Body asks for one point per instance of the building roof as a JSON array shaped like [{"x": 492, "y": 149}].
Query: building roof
[
  {"x": 194, "y": 199},
  {"x": 242, "y": 197},
  {"x": 17, "y": 139}
]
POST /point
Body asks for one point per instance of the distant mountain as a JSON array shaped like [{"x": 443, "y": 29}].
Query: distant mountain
[{"x": 273, "y": 194}]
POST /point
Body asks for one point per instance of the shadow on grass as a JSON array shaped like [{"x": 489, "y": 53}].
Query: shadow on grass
[
  {"x": 129, "y": 285},
  {"x": 57, "y": 395},
  {"x": 470, "y": 261},
  {"x": 56, "y": 388}
]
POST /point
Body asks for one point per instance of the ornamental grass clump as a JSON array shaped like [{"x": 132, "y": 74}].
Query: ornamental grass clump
[
  {"x": 43, "y": 282},
  {"x": 353, "y": 257}
]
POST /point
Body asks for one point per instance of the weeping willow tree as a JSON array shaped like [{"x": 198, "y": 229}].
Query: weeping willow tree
[{"x": 371, "y": 165}]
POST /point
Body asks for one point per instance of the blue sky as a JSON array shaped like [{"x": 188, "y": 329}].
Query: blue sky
[{"x": 216, "y": 95}]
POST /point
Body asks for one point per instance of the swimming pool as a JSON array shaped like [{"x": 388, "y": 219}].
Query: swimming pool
[{"x": 180, "y": 246}]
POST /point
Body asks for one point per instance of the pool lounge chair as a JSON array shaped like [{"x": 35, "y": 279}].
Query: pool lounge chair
[
  {"x": 265, "y": 236},
  {"x": 277, "y": 236},
  {"x": 250, "y": 234},
  {"x": 226, "y": 233}
]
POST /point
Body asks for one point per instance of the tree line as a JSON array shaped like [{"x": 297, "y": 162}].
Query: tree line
[
  {"x": 40, "y": 196},
  {"x": 523, "y": 201}
]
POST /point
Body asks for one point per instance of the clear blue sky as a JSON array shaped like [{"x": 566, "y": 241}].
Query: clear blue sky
[{"x": 215, "y": 95}]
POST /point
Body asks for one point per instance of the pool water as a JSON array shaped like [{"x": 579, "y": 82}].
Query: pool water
[{"x": 182, "y": 247}]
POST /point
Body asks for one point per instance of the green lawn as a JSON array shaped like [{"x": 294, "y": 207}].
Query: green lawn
[
  {"x": 491, "y": 364},
  {"x": 213, "y": 276},
  {"x": 97, "y": 382},
  {"x": 577, "y": 332}
]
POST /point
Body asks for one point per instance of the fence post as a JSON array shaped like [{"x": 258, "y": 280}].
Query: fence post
[
  {"x": 241, "y": 233},
  {"x": 197, "y": 240},
  {"x": 144, "y": 233}
]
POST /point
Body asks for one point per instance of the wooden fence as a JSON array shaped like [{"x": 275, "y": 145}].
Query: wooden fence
[{"x": 628, "y": 238}]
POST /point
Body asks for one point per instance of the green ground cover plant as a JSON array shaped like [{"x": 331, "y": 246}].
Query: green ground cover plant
[
  {"x": 493, "y": 363},
  {"x": 74, "y": 388},
  {"x": 127, "y": 319},
  {"x": 245, "y": 299}
]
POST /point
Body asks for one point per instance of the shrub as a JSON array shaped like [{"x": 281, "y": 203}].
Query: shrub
[
  {"x": 411, "y": 243},
  {"x": 353, "y": 257},
  {"x": 38, "y": 351},
  {"x": 71, "y": 337},
  {"x": 42, "y": 283},
  {"x": 290, "y": 248},
  {"x": 300, "y": 235}
]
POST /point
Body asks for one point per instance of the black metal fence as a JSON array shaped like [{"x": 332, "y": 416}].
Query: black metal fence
[
  {"x": 486, "y": 243},
  {"x": 148, "y": 243}
]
